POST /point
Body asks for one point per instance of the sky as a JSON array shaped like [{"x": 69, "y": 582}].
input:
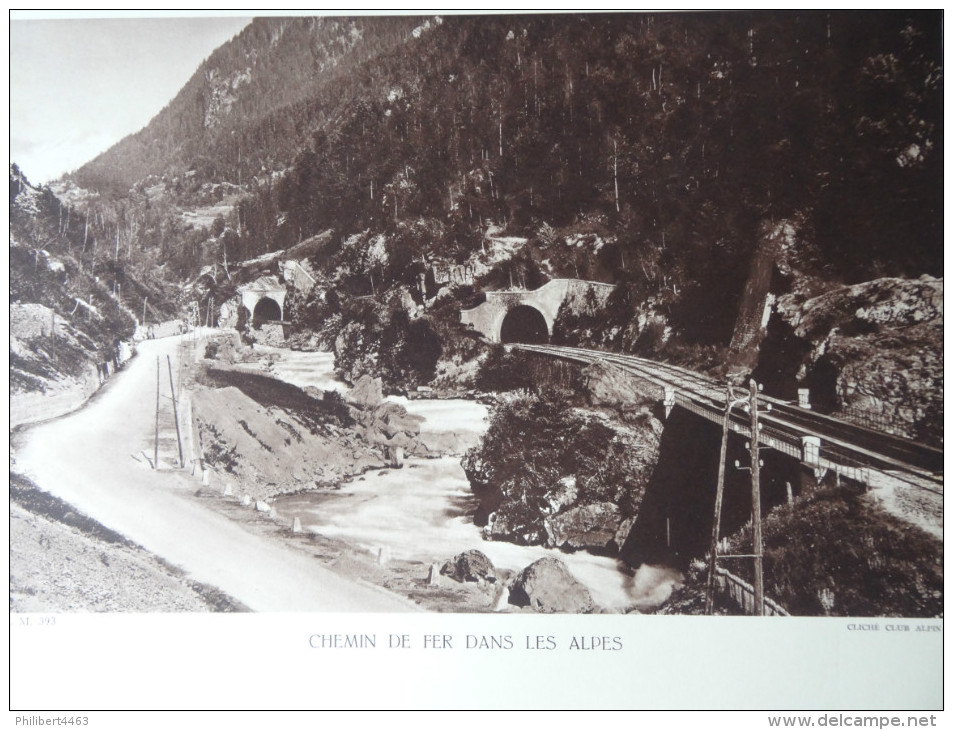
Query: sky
[{"x": 79, "y": 85}]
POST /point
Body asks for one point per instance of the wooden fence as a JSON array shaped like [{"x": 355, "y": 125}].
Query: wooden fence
[{"x": 742, "y": 593}]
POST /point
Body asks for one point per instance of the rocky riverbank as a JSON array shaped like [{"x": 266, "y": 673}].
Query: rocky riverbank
[
  {"x": 394, "y": 527},
  {"x": 64, "y": 559},
  {"x": 566, "y": 470},
  {"x": 262, "y": 436}
]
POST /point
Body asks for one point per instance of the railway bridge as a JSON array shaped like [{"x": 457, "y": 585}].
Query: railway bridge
[
  {"x": 823, "y": 443},
  {"x": 680, "y": 506}
]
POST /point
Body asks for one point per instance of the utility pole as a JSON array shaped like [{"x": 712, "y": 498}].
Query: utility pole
[
  {"x": 730, "y": 402},
  {"x": 754, "y": 449},
  {"x": 758, "y": 548},
  {"x": 175, "y": 413},
  {"x": 156, "y": 450}
]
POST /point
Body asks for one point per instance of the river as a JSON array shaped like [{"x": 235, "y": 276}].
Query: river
[{"x": 424, "y": 510}]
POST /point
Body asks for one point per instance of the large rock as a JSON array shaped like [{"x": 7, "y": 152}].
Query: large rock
[
  {"x": 875, "y": 353},
  {"x": 392, "y": 418},
  {"x": 589, "y": 526},
  {"x": 892, "y": 380},
  {"x": 887, "y": 302},
  {"x": 470, "y": 566},
  {"x": 547, "y": 586},
  {"x": 397, "y": 441},
  {"x": 366, "y": 393},
  {"x": 622, "y": 532},
  {"x": 389, "y": 425},
  {"x": 504, "y": 527}
]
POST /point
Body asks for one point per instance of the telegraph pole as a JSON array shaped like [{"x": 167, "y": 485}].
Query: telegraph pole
[
  {"x": 758, "y": 548},
  {"x": 156, "y": 452},
  {"x": 175, "y": 412},
  {"x": 730, "y": 402}
]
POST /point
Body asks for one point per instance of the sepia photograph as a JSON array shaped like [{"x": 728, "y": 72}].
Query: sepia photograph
[{"x": 487, "y": 335}]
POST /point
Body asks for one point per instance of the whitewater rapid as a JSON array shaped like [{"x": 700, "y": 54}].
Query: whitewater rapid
[{"x": 424, "y": 511}]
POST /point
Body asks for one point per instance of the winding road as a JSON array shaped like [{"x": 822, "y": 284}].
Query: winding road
[{"x": 86, "y": 458}]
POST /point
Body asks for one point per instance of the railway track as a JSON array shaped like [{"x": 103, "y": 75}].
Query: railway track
[{"x": 786, "y": 425}]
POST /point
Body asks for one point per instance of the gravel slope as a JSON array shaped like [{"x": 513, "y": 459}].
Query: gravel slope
[{"x": 56, "y": 567}]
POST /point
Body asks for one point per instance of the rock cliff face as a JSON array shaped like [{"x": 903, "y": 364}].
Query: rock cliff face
[
  {"x": 590, "y": 526},
  {"x": 875, "y": 353},
  {"x": 547, "y": 475}
]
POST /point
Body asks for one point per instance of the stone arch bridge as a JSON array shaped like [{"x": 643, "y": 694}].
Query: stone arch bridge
[
  {"x": 264, "y": 298},
  {"x": 528, "y": 316}
]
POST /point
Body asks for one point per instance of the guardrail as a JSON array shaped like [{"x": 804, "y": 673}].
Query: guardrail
[{"x": 876, "y": 421}]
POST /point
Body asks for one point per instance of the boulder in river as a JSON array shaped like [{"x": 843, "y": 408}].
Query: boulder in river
[
  {"x": 547, "y": 586},
  {"x": 392, "y": 419},
  {"x": 589, "y": 526},
  {"x": 470, "y": 566},
  {"x": 366, "y": 393}
]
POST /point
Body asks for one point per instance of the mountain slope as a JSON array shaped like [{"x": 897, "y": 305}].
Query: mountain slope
[
  {"x": 244, "y": 108},
  {"x": 655, "y": 151},
  {"x": 74, "y": 296},
  {"x": 678, "y": 133}
]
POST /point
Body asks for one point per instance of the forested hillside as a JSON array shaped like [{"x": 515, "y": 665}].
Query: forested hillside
[
  {"x": 658, "y": 151},
  {"x": 252, "y": 104},
  {"x": 648, "y": 148},
  {"x": 74, "y": 296}
]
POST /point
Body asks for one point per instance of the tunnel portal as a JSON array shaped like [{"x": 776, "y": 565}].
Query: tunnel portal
[
  {"x": 526, "y": 325},
  {"x": 267, "y": 310}
]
